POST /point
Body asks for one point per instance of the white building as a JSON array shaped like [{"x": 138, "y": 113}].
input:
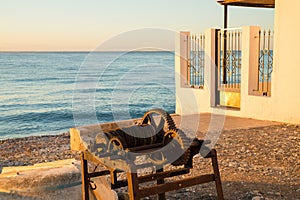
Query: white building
[{"x": 262, "y": 70}]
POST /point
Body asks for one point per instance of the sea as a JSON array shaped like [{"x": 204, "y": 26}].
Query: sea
[{"x": 43, "y": 93}]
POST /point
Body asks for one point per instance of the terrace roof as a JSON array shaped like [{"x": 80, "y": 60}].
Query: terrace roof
[{"x": 249, "y": 3}]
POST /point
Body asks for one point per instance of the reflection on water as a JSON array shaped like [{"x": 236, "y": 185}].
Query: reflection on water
[{"x": 36, "y": 90}]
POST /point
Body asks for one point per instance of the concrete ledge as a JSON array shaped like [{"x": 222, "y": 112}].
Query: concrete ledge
[{"x": 53, "y": 180}]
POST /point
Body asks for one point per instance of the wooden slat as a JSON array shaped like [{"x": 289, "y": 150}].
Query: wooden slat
[
  {"x": 176, "y": 185},
  {"x": 95, "y": 174},
  {"x": 159, "y": 175},
  {"x": 119, "y": 184},
  {"x": 249, "y": 3}
]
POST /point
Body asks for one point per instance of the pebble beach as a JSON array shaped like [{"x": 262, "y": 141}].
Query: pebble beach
[{"x": 255, "y": 163}]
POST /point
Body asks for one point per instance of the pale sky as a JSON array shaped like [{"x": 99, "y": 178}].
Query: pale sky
[{"x": 81, "y": 25}]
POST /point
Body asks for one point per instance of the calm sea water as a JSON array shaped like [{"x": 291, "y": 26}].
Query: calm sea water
[{"x": 41, "y": 93}]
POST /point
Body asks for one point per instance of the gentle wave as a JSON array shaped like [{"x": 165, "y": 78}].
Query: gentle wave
[{"x": 40, "y": 92}]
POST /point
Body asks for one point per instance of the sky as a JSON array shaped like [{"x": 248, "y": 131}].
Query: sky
[{"x": 78, "y": 25}]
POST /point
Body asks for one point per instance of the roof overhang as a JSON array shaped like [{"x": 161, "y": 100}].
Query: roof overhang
[{"x": 249, "y": 3}]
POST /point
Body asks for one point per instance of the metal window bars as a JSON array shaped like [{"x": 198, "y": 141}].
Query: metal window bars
[
  {"x": 196, "y": 61},
  {"x": 230, "y": 59},
  {"x": 265, "y": 62}
]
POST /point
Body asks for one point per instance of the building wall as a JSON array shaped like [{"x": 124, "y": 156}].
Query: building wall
[
  {"x": 283, "y": 104},
  {"x": 286, "y": 60},
  {"x": 192, "y": 100}
]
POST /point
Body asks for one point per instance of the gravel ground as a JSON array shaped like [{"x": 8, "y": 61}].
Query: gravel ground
[
  {"x": 258, "y": 163},
  {"x": 35, "y": 149}
]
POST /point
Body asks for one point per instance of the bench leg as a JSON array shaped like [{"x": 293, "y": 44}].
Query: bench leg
[
  {"x": 217, "y": 174},
  {"x": 161, "y": 196},
  {"x": 133, "y": 186},
  {"x": 84, "y": 178}
]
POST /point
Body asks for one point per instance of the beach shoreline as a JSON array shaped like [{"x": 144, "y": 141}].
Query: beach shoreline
[{"x": 261, "y": 162}]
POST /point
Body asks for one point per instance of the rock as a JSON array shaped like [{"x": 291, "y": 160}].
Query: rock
[
  {"x": 277, "y": 193},
  {"x": 257, "y": 198}
]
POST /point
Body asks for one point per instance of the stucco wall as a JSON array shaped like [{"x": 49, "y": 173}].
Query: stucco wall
[
  {"x": 286, "y": 60},
  {"x": 284, "y": 103},
  {"x": 193, "y": 100}
]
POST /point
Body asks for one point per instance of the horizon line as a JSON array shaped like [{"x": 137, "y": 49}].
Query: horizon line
[{"x": 84, "y": 51}]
